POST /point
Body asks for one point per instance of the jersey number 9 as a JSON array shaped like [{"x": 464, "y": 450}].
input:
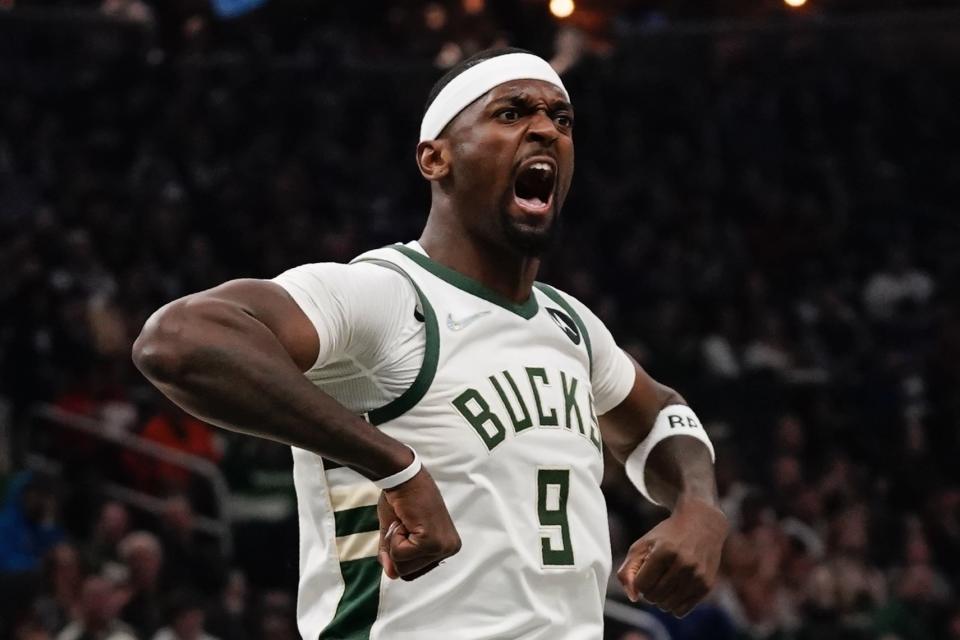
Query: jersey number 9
[{"x": 553, "y": 489}]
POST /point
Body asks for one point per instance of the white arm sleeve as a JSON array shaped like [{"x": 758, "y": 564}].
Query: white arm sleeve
[
  {"x": 613, "y": 371},
  {"x": 358, "y": 310}
]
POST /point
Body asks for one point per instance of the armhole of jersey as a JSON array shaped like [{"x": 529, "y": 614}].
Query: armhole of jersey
[
  {"x": 428, "y": 369},
  {"x": 554, "y": 295}
]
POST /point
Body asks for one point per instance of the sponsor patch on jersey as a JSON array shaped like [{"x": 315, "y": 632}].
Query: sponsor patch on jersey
[{"x": 566, "y": 324}]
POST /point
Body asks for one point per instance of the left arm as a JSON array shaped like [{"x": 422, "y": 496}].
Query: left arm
[{"x": 675, "y": 564}]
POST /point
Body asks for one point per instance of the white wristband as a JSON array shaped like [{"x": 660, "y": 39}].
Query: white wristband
[
  {"x": 674, "y": 420},
  {"x": 400, "y": 476}
]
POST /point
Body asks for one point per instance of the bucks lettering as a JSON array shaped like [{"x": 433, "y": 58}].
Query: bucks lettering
[{"x": 531, "y": 397}]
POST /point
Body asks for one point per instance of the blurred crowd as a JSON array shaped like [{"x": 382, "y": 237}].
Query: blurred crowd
[
  {"x": 115, "y": 581},
  {"x": 766, "y": 221}
]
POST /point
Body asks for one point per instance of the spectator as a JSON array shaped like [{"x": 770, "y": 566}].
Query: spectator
[
  {"x": 98, "y": 614},
  {"x": 953, "y": 625},
  {"x": 921, "y": 592},
  {"x": 189, "y": 560},
  {"x": 112, "y": 524},
  {"x": 229, "y": 616},
  {"x": 898, "y": 284},
  {"x": 720, "y": 349},
  {"x": 59, "y": 600},
  {"x": 186, "y": 618},
  {"x": 28, "y": 523},
  {"x": 143, "y": 556},
  {"x": 171, "y": 427},
  {"x": 276, "y": 616}
]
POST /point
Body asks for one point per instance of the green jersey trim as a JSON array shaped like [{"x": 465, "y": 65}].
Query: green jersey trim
[
  {"x": 525, "y": 310},
  {"x": 431, "y": 356},
  {"x": 554, "y": 295},
  {"x": 358, "y": 605}
]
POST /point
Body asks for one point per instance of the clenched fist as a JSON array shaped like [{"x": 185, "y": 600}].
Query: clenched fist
[
  {"x": 674, "y": 566},
  {"x": 416, "y": 531}
]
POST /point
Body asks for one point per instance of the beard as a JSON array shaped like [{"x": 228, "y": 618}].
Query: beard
[{"x": 529, "y": 240}]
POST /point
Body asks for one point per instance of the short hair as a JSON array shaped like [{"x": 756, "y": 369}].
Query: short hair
[
  {"x": 463, "y": 65},
  {"x": 136, "y": 541}
]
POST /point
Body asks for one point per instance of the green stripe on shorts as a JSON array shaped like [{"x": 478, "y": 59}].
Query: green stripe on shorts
[
  {"x": 356, "y": 520},
  {"x": 358, "y": 605}
]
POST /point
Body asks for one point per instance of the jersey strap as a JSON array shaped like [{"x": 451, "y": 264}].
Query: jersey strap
[
  {"x": 554, "y": 295},
  {"x": 428, "y": 370}
]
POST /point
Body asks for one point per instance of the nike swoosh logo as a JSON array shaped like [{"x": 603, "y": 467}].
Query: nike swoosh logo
[{"x": 457, "y": 325}]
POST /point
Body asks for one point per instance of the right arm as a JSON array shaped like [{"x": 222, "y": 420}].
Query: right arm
[{"x": 234, "y": 356}]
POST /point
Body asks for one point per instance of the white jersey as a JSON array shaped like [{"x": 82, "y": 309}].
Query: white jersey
[{"x": 503, "y": 412}]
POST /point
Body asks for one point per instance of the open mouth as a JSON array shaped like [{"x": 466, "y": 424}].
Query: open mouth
[{"x": 533, "y": 189}]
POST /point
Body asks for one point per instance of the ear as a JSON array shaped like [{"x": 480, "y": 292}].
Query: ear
[{"x": 433, "y": 159}]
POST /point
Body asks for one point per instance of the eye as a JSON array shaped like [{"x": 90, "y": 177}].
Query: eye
[
  {"x": 508, "y": 115},
  {"x": 563, "y": 120}
]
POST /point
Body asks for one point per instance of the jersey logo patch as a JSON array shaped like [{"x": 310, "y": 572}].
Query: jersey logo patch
[
  {"x": 457, "y": 325},
  {"x": 566, "y": 324}
]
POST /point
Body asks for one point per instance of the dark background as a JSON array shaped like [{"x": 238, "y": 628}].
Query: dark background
[{"x": 764, "y": 213}]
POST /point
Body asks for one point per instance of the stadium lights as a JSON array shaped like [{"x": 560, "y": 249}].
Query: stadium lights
[
  {"x": 562, "y": 8},
  {"x": 796, "y": 4}
]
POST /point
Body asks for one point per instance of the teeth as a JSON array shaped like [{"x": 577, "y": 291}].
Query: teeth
[{"x": 541, "y": 166}]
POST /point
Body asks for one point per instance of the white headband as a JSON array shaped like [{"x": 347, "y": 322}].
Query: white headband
[{"x": 477, "y": 80}]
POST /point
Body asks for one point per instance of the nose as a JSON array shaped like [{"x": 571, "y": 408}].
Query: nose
[{"x": 542, "y": 128}]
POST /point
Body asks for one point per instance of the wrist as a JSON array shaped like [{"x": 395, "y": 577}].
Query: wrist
[
  {"x": 696, "y": 500},
  {"x": 694, "y": 487},
  {"x": 394, "y": 480},
  {"x": 678, "y": 465},
  {"x": 392, "y": 456},
  {"x": 400, "y": 457},
  {"x": 706, "y": 509},
  {"x": 372, "y": 453}
]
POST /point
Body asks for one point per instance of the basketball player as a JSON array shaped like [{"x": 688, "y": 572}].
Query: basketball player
[{"x": 447, "y": 413}]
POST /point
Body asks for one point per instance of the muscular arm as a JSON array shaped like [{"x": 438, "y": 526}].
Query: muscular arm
[
  {"x": 234, "y": 356},
  {"x": 675, "y": 564},
  {"x": 679, "y": 467}
]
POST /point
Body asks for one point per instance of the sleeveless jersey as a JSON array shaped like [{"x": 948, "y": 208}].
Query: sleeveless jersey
[{"x": 501, "y": 413}]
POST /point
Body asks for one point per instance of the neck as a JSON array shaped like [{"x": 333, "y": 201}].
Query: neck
[
  {"x": 94, "y": 626},
  {"x": 501, "y": 270}
]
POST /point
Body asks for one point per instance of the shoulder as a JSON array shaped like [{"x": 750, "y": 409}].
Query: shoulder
[
  {"x": 345, "y": 286},
  {"x": 612, "y": 371},
  {"x": 358, "y": 309},
  {"x": 333, "y": 273}
]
